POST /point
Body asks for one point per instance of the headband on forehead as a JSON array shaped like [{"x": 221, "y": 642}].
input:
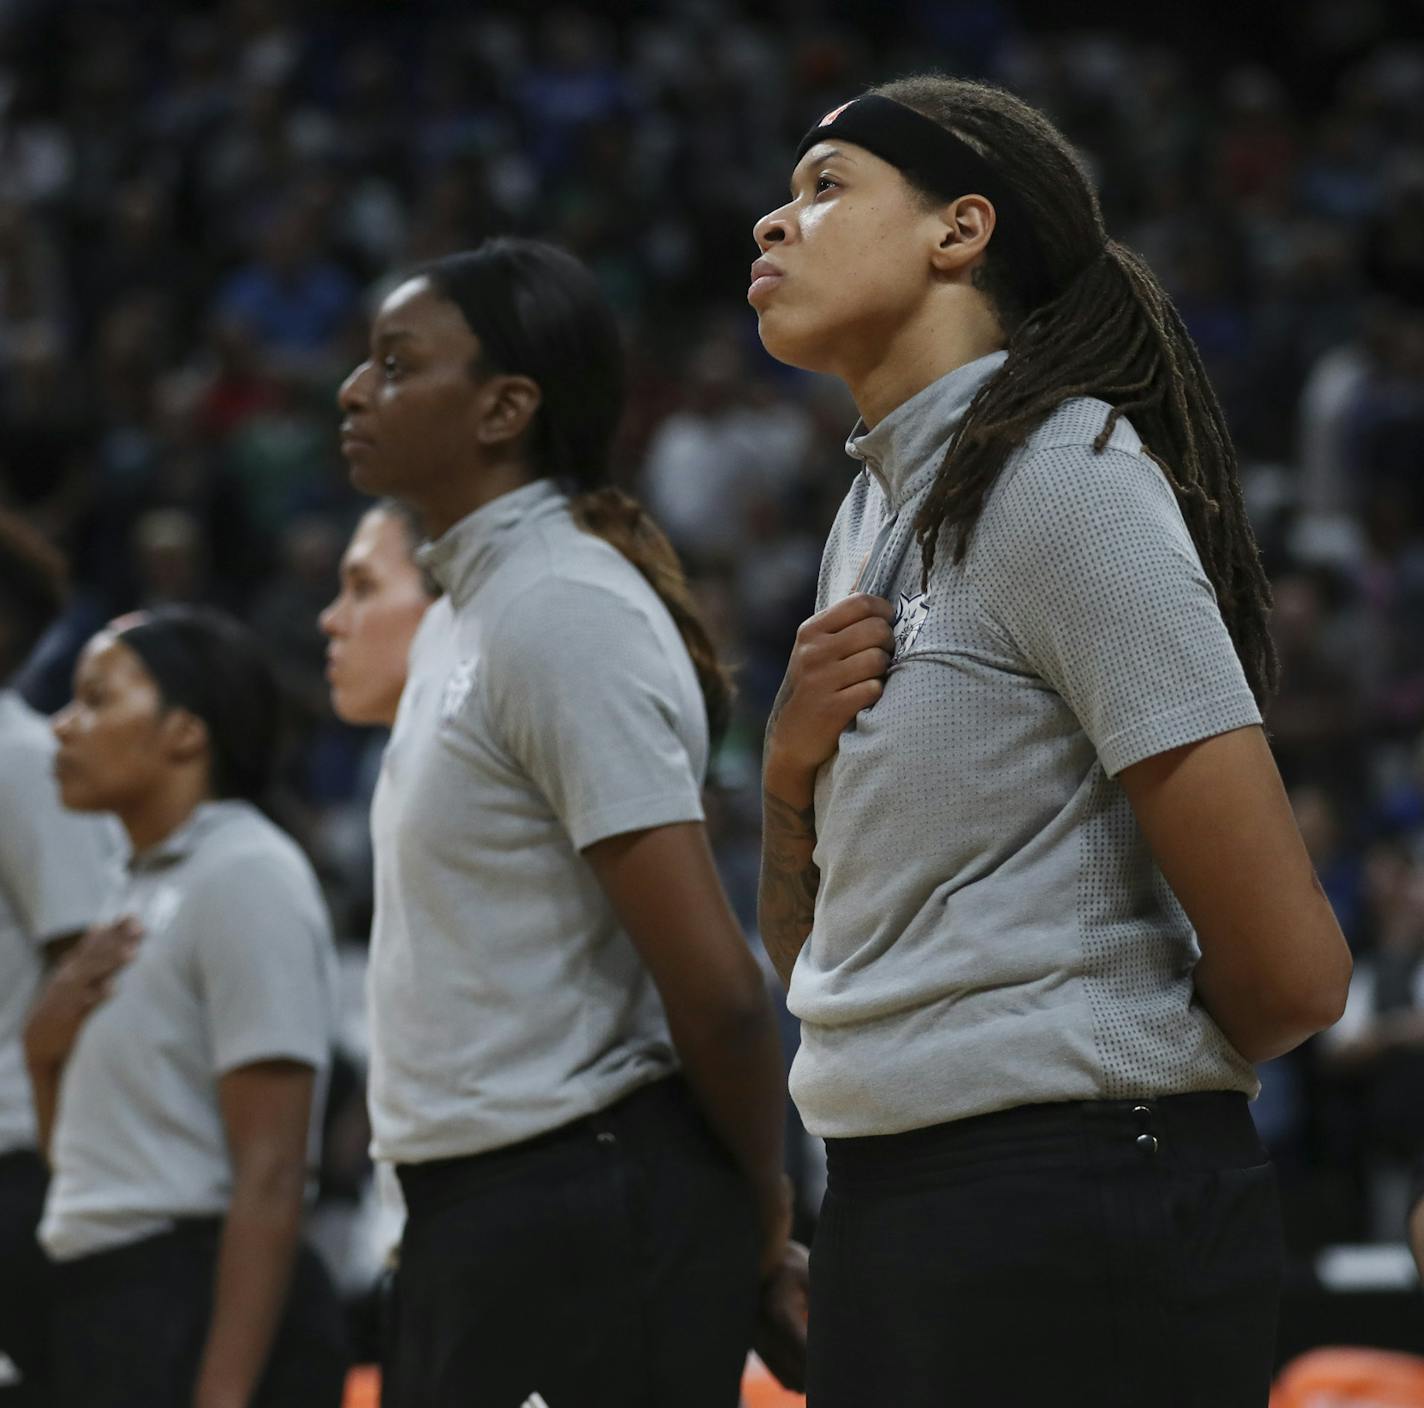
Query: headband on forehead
[{"x": 935, "y": 159}]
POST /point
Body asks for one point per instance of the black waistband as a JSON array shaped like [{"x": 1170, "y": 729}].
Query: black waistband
[
  {"x": 17, "y": 1159},
  {"x": 1207, "y": 1129},
  {"x": 437, "y": 1183},
  {"x": 137, "y": 1260}
]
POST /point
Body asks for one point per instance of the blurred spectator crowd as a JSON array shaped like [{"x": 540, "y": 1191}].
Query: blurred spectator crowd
[{"x": 198, "y": 202}]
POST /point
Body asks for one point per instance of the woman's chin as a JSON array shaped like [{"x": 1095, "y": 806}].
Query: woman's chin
[
  {"x": 361, "y": 713},
  {"x": 76, "y": 797},
  {"x": 793, "y": 346}
]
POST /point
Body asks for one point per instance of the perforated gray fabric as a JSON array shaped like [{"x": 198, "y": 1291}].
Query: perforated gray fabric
[{"x": 991, "y": 929}]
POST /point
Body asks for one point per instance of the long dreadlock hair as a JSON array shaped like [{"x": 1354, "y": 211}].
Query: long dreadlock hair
[{"x": 1107, "y": 329}]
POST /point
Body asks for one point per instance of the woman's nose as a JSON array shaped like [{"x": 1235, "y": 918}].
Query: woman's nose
[
  {"x": 352, "y": 395},
  {"x": 771, "y": 229}
]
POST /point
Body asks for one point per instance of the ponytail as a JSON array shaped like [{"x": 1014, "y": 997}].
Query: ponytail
[
  {"x": 1106, "y": 329},
  {"x": 621, "y": 521}
]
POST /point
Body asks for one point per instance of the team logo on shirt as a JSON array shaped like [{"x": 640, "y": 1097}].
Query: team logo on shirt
[
  {"x": 162, "y": 905},
  {"x": 457, "y": 690},
  {"x": 910, "y": 613}
]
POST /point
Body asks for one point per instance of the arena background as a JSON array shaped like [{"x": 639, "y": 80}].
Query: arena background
[{"x": 197, "y": 201}]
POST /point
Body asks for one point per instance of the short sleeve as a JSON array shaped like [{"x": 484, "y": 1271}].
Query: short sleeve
[
  {"x": 263, "y": 956},
  {"x": 588, "y": 703},
  {"x": 1085, "y": 562},
  {"x": 59, "y": 869}
]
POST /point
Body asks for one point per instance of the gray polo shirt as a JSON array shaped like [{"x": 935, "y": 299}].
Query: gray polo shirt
[
  {"x": 236, "y": 965},
  {"x": 550, "y": 704},
  {"x": 58, "y": 870},
  {"x": 991, "y": 929}
]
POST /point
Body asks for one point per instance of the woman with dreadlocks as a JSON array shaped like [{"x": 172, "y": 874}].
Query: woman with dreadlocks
[{"x": 1028, "y": 866}]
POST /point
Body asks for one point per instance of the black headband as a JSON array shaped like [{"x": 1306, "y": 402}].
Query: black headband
[{"x": 934, "y": 159}]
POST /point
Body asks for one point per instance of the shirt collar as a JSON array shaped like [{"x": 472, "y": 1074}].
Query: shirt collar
[
  {"x": 183, "y": 840},
  {"x": 918, "y": 431},
  {"x": 462, "y": 558}
]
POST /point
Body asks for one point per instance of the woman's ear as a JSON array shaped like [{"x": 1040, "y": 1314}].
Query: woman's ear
[
  {"x": 508, "y": 406},
  {"x": 964, "y": 230},
  {"x": 184, "y": 735}
]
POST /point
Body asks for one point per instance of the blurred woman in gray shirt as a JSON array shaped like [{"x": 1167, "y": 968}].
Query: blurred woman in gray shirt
[
  {"x": 178, "y": 1055},
  {"x": 58, "y": 874},
  {"x": 1028, "y": 866}
]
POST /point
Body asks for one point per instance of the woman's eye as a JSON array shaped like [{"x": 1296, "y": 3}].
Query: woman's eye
[
  {"x": 389, "y": 367},
  {"x": 824, "y": 183}
]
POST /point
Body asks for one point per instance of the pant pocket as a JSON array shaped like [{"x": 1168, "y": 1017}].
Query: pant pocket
[{"x": 1223, "y": 1293}]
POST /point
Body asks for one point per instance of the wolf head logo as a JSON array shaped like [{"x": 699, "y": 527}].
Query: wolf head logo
[{"x": 910, "y": 613}]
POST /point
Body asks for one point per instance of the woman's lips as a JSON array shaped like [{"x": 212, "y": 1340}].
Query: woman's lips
[
  {"x": 352, "y": 440},
  {"x": 765, "y": 277}
]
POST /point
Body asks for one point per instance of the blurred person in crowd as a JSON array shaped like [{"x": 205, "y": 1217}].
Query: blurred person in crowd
[
  {"x": 169, "y": 558},
  {"x": 1399, "y": 808},
  {"x": 285, "y": 614},
  {"x": 58, "y": 872},
  {"x": 574, "y": 1066},
  {"x": 294, "y": 297},
  {"x": 719, "y": 450},
  {"x": 139, "y": 254},
  {"x": 1028, "y": 865},
  {"x": 1315, "y": 719},
  {"x": 32, "y": 285},
  {"x": 45, "y": 433},
  {"x": 178, "y": 1054},
  {"x": 1323, "y": 828},
  {"x": 1393, "y": 259},
  {"x": 1374, "y": 1056}
]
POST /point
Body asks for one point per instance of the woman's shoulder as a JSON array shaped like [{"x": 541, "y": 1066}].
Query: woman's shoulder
[
  {"x": 573, "y": 576},
  {"x": 1077, "y": 423},
  {"x": 26, "y": 744},
  {"x": 1061, "y": 464},
  {"x": 240, "y": 850},
  {"x": 1059, "y": 489}
]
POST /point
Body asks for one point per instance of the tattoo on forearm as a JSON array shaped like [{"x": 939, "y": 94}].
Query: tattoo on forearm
[
  {"x": 778, "y": 704},
  {"x": 786, "y": 896}
]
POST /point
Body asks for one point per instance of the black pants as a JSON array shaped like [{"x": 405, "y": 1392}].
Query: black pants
[
  {"x": 611, "y": 1264},
  {"x": 1095, "y": 1255},
  {"x": 130, "y": 1326},
  {"x": 24, "y": 1280}
]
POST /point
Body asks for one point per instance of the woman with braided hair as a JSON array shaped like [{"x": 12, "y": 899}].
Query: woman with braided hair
[
  {"x": 575, "y": 1069},
  {"x": 1028, "y": 866}
]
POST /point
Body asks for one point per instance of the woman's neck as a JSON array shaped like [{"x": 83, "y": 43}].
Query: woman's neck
[
  {"x": 443, "y": 508},
  {"x": 161, "y": 812},
  {"x": 950, "y": 332}
]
